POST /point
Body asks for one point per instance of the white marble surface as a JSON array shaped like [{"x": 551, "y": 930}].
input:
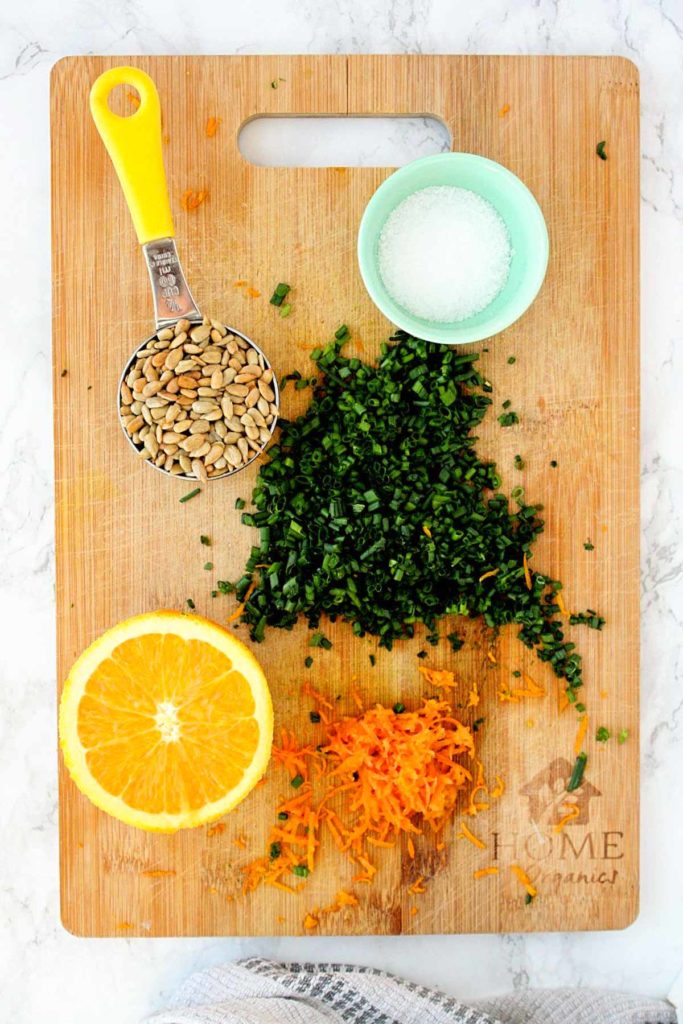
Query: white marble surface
[{"x": 46, "y": 974}]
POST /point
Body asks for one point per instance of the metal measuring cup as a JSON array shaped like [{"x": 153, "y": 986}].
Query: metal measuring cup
[{"x": 249, "y": 384}]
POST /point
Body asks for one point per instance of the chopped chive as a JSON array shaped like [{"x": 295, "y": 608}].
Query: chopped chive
[
  {"x": 477, "y": 724},
  {"x": 422, "y": 654},
  {"x": 320, "y": 640},
  {"x": 308, "y": 661},
  {"x": 519, "y": 462},
  {"x": 512, "y": 359},
  {"x": 455, "y": 641},
  {"x": 275, "y": 850},
  {"x": 285, "y": 310},
  {"x": 63, "y": 373},
  {"x": 580, "y": 707},
  {"x": 225, "y": 586},
  {"x": 214, "y": 593},
  {"x": 602, "y": 734},
  {"x": 517, "y": 674},
  {"x": 507, "y": 403},
  {"x": 301, "y": 870},
  {"x": 282, "y": 816},
  {"x": 279, "y": 294},
  {"x": 507, "y": 419},
  {"x": 600, "y": 149},
  {"x": 577, "y": 773},
  {"x": 240, "y": 503},
  {"x": 623, "y": 736},
  {"x": 528, "y": 899},
  {"x": 373, "y": 660},
  {"x": 208, "y": 566},
  {"x": 553, "y": 463},
  {"x": 588, "y": 545},
  {"x": 297, "y": 781},
  {"x": 190, "y": 603},
  {"x": 189, "y": 495},
  {"x": 399, "y": 708},
  {"x": 341, "y": 333},
  {"x": 205, "y": 540},
  {"x": 314, "y": 716}
]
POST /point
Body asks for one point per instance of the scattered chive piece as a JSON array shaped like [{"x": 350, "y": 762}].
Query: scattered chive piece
[
  {"x": 275, "y": 850},
  {"x": 282, "y": 816},
  {"x": 314, "y": 716},
  {"x": 341, "y": 333},
  {"x": 577, "y": 774},
  {"x": 320, "y": 640},
  {"x": 285, "y": 310},
  {"x": 189, "y": 495},
  {"x": 280, "y": 292},
  {"x": 600, "y": 149},
  {"x": 297, "y": 781},
  {"x": 588, "y": 618},
  {"x": 553, "y": 463},
  {"x": 63, "y": 373},
  {"x": 507, "y": 419},
  {"x": 214, "y": 593},
  {"x": 455, "y": 641},
  {"x": 517, "y": 493},
  {"x": 580, "y": 707},
  {"x": 517, "y": 674},
  {"x": 588, "y": 545},
  {"x": 570, "y": 694},
  {"x": 507, "y": 403},
  {"x": 528, "y": 899},
  {"x": 602, "y": 734},
  {"x": 205, "y": 540},
  {"x": 476, "y": 725},
  {"x": 373, "y": 660},
  {"x": 399, "y": 708},
  {"x": 299, "y": 385},
  {"x": 274, "y": 84},
  {"x": 308, "y": 661},
  {"x": 487, "y": 386},
  {"x": 208, "y": 566},
  {"x": 623, "y": 736},
  {"x": 511, "y": 360},
  {"x": 301, "y": 870},
  {"x": 190, "y": 603},
  {"x": 422, "y": 654},
  {"x": 240, "y": 503},
  {"x": 519, "y": 462},
  {"x": 225, "y": 586}
]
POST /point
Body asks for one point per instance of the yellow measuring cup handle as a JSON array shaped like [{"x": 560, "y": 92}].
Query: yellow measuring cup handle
[{"x": 134, "y": 145}]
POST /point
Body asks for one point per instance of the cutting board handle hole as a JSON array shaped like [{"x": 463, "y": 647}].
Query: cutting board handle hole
[{"x": 341, "y": 141}]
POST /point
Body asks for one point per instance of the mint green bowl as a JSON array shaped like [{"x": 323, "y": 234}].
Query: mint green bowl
[{"x": 515, "y": 204}]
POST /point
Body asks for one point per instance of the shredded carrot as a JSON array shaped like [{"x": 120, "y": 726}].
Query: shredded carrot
[
  {"x": 427, "y": 532},
  {"x": 532, "y": 688},
  {"x": 492, "y": 658},
  {"x": 440, "y": 679},
  {"x": 527, "y": 574},
  {"x": 357, "y": 699},
  {"x": 561, "y": 605},
  {"x": 217, "y": 829},
  {"x": 311, "y": 922},
  {"x": 192, "y": 198},
  {"x": 573, "y": 812},
  {"x": 253, "y": 293},
  {"x": 158, "y": 873},
  {"x": 413, "y": 911},
  {"x": 240, "y": 608},
  {"x": 499, "y": 788},
  {"x": 124, "y": 926},
  {"x": 465, "y": 833},
  {"x": 521, "y": 874},
  {"x": 580, "y": 735},
  {"x": 487, "y": 575},
  {"x": 505, "y": 109},
  {"x": 239, "y": 284},
  {"x": 346, "y": 899},
  {"x": 280, "y": 919},
  {"x": 485, "y": 872},
  {"x": 240, "y": 842},
  {"x": 562, "y": 698},
  {"x": 411, "y": 848},
  {"x": 308, "y": 691},
  {"x": 212, "y": 126},
  {"x": 417, "y": 888},
  {"x": 473, "y": 698},
  {"x": 133, "y": 99},
  {"x": 480, "y": 785}
]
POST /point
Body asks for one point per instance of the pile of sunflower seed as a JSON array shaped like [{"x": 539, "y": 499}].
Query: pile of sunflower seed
[{"x": 199, "y": 401}]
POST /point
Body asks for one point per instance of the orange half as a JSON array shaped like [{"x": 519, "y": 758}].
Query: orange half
[{"x": 166, "y": 721}]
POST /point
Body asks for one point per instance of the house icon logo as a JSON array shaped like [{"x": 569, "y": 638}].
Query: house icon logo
[{"x": 548, "y": 796}]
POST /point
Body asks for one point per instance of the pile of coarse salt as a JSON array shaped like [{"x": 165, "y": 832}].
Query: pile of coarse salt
[{"x": 444, "y": 253}]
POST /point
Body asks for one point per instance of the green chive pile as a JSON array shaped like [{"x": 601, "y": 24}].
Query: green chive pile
[{"x": 375, "y": 508}]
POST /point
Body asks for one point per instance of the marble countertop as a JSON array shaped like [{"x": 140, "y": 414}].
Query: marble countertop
[{"x": 47, "y": 974}]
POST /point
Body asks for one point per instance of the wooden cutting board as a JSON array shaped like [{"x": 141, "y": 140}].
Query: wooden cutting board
[{"x": 126, "y": 545}]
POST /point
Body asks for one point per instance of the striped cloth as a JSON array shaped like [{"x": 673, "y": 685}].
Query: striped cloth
[{"x": 257, "y": 991}]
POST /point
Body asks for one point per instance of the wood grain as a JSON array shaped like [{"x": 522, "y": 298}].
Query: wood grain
[{"x": 125, "y": 544}]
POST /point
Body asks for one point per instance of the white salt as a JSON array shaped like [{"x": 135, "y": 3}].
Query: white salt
[{"x": 444, "y": 253}]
